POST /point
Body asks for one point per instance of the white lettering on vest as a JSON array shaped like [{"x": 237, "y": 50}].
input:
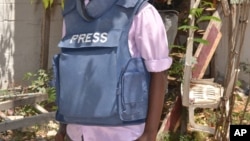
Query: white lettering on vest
[
  {"x": 73, "y": 38},
  {"x": 89, "y": 38},
  {"x": 81, "y": 38},
  {"x": 96, "y": 37},
  {"x": 104, "y": 37}
]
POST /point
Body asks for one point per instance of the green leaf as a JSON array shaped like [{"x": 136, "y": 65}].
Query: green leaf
[
  {"x": 51, "y": 2},
  {"x": 196, "y": 12},
  {"x": 177, "y": 47},
  {"x": 200, "y": 40},
  {"x": 186, "y": 27},
  {"x": 208, "y": 18},
  {"x": 46, "y": 3},
  {"x": 209, "y": 4},
  {"x": 62, "y": 4}
]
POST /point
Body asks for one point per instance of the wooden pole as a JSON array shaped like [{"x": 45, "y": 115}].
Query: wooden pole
[{"x": 45, "y": 36}]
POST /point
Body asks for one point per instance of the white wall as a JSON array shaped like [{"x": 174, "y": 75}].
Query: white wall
[
  {"x": 221, "y": 54},
  {"x": 20, "y": 38},
  {"x": 245, "y": 54}
]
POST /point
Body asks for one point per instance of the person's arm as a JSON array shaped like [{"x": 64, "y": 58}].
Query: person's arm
[
  {"x": 61, "y": 133},
  {"x": 157, "y": 91},
  {"x": 148, "y": 32}
]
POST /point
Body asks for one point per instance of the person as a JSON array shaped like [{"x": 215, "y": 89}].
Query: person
[
  {"x": 111, "y": 72},
  {"x": 61, "y": 133}
]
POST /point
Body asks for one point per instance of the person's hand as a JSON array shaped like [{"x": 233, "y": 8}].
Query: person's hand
[
  {"x": 147, "y": 137},
  {"x": 59, "y": 137}
]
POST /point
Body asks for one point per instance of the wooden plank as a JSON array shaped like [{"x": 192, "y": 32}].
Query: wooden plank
[
  {"x": 212, "y": 43},
  {"x": 40, "y": 108},
  {"x": 204, "y": 53},
  {"x": 44, "y": 56},
  {"x": 172, "y": 120},
  {"x": 16, "y": 95},
  {"x": 27, "y": 121},
  {"x": 23, "y": 101},
  {"x": 174, "y": 116},
  {"x": 225, "y": 7},
  {"x": 2, "y": 115}
]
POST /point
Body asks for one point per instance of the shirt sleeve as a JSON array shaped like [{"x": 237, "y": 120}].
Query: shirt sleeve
[{"x": 149, "y": 38}]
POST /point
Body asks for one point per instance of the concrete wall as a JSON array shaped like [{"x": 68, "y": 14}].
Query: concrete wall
[
  {"x": 20, "y": 38},
  {"x": 221, "y": 55}
]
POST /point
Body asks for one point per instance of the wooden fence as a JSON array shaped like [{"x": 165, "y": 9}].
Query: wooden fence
[{"x": 10, "y": 122}]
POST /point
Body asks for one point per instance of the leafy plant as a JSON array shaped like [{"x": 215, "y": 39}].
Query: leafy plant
[
  {"x": 176, "y": 69},
  {"x": 176, "y": 136},
  {"x": 198, "y": 13},
  {"x": 245, "y": 67},
  {"x": 178, "y": 65},
  {"x": 40, "y": 82}
]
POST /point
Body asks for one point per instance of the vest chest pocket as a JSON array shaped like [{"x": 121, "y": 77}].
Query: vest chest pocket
[{"x": 87, "y": 84}]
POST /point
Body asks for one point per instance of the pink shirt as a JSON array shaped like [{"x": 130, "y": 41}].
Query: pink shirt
[{"x": 147, "y": 39}]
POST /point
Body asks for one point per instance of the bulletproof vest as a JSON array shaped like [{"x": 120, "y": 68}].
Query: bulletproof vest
[{"x": 97, "y": 81}]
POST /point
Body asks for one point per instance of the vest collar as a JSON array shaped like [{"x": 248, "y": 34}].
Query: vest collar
[{"x": 94, "y": 9}]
